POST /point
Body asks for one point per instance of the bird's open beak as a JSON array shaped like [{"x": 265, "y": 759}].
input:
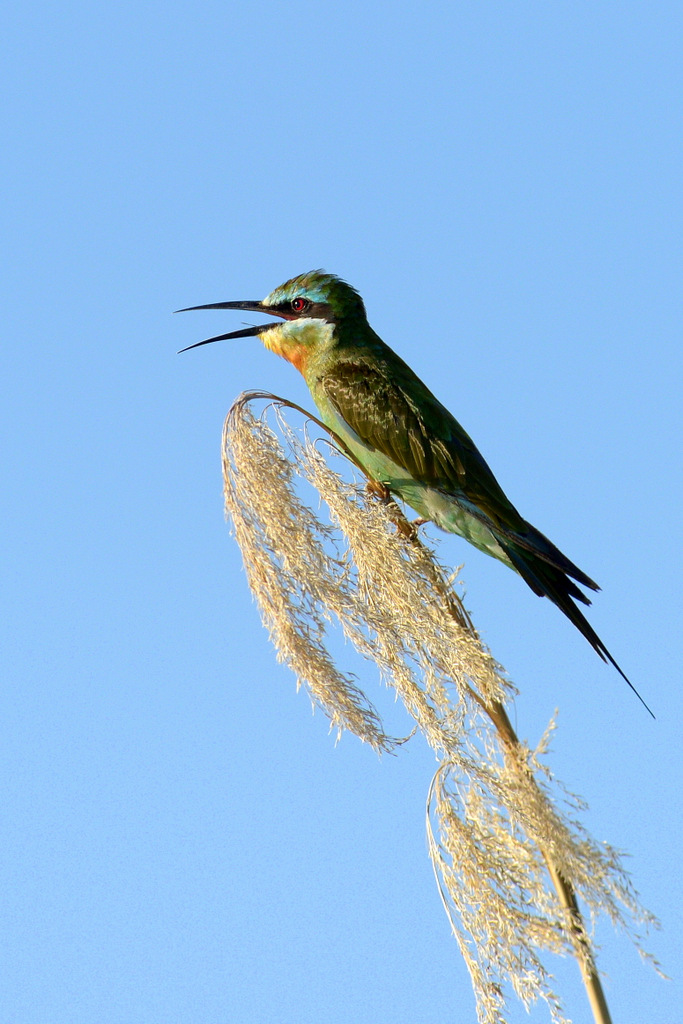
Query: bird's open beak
[{"x": 246, "y": 332}]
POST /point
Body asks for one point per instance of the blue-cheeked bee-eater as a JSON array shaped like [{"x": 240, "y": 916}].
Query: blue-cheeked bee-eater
[{"x": 405, "y": 440}]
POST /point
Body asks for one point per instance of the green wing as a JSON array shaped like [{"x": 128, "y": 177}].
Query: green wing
[{"x": 392, "y": 411}]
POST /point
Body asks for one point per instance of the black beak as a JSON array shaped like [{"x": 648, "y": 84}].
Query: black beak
[{"x": 247, "y": 332}]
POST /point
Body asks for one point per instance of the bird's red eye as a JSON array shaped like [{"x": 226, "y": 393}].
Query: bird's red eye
[{"x": 299, "y": 304}]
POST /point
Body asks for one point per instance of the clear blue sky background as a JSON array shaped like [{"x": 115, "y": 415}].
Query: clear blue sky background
[{"x": 182, "y": 842}]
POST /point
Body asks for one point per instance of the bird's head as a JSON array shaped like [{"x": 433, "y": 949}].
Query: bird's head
[{"x": 311, "y": 305}]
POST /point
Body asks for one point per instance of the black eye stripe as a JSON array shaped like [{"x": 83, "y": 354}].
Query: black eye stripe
[{"x": 299, "y": 305}]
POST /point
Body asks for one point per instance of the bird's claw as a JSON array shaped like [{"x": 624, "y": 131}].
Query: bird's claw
[
  {"x": 382, "y": 493},
  {"x": 378, "y": 490}
]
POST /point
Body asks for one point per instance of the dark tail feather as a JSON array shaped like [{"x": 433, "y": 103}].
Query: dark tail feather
[
  {"x": 548, "y": 581},
  {"x": 538, "y": 545}
]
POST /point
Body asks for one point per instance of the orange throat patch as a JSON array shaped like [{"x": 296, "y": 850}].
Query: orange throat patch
[{"x": 290, "y": 344}]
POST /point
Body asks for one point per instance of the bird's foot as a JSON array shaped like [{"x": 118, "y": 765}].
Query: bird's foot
[
  {"x": 382, "y": 493},
  {"x": 379, "y": 491}
]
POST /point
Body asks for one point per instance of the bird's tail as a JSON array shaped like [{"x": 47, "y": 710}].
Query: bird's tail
[{"x": 547, "y": 579}]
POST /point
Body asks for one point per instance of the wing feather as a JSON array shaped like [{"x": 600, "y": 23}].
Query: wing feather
[
  {"x": 392, "y": 411},
  {"x": 405, "y": 422}
]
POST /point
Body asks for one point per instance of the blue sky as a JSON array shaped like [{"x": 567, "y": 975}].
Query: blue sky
[{"x": 182, "y": 841}]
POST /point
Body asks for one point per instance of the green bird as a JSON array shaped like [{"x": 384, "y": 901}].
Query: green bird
[{"x": 402, "y": 436}]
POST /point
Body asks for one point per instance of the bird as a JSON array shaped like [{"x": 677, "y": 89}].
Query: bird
[{"x": 404, "y": 439}]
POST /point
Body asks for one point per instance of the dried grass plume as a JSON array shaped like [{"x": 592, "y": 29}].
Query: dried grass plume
[{"x": 510, "y": 855}]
